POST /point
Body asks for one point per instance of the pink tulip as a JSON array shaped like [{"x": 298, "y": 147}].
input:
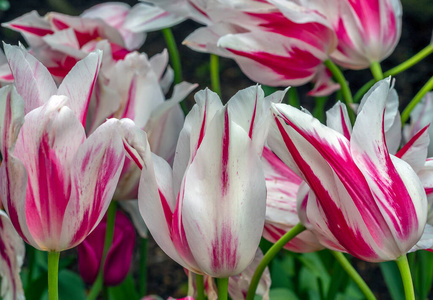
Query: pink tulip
[
  {"x": 59, "y": 40},
  {"x": 11, "y": 259},
  {"x": 277, "y": 45},
  {"x": 56, "y": 183},
  {"x": 367, "y": 31},
  {"x": 282, "y": 186},
  {"x": 208, "y": 213},
  {"x": 363, "y": 200},
  {"x": 119, "y": 256}
]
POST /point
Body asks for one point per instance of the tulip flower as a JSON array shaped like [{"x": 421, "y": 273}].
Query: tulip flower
[
  {"x": 11, "y": 259},
  {"x": 282, "y": 186},
  {"x": 60, "y": 40},
  {"x": 367, "y": 31},
  {"x": 56, "y": 183},
  {"x": 208, "y": 213},
  {"x": 363, "y": 200},
  {"x": 119, "y": 256}
]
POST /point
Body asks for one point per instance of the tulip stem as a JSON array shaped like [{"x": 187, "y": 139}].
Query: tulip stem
[
  {"x": 339, "y": 77},
  {"x": 99, "y": 282},
  {"x": 223, "y": 286},
  {"x": 143, "y": 268},
  {"x": 350, "y": 270},
  {"x": 53, "y": 275},
  {"x": 424, "y": 90},
  {"x": 297, "y": 229},
  {"x": 406, "y": 277},
  {"x": 396, "y": 70},
  {"x": 214, "y": 74},
  {"x": 200, "y": 287},
  {"x": 175, "y": 60},
  {"x": 376, "y": 70}
]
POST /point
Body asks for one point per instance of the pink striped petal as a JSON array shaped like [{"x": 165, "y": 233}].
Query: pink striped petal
[
  {"x": 414, "y": 152},
  {"x": 94, "y": 175},
  {"x": 157, "y": 203},
  {"x": 193, "y": 131},
  {"x": 254, "y": 119},
  {"x": 49, "y": 138},
  {"x": 32, "y": 79},
  {"x": 395, "y": 186},
  {"x": 30, "y": 24},
  {"x": 224, "y": 187},
  {"x": 332, "y": 177},
  {"x": 79, "y": 83},
  {"x": 337, "y": 118},
  {"x": 260, "y": 56},
  {"x": 12, "y": 116},
  {"x": 12, "y": 252}
]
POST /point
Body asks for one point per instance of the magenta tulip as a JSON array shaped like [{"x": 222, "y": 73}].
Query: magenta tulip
[{"x": 119, "y": 256}]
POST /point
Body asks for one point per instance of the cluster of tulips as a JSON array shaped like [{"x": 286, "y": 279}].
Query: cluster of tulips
[{"x": 85, "y": 128}]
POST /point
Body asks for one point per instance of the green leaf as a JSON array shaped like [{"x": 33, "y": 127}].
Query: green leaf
[
  {"x": 282, "y": 294},
  {"x": 71, "y": 286},
  {"x": 282, "y": 268},
  {"x": 35, "y": 289},
  {"x": 392, "y": 278},
  {"x": 125, "y": 290},
  {"x": 423, "y": 276}
]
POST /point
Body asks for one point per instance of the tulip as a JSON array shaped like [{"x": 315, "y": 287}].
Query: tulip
[
  {"x": 367, "y": 31},
  {"x": 208, "y": 213},
  {"x": 119, "y": 256},
  {"x": 363, "y": 200},
  {"x": 282, "y": 186},
  {"x": 60, "y": 40},
  {"x": 11, "y": 259},
  {"x": 56, "y": 183}
]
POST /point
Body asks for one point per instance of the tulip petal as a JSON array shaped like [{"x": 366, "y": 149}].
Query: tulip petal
[
  {"x": 78, "y": 84},
  {"x": 224, "y": 186},
  {"x": 325, "y": 163},
  {"x": 414, "y": 152},
  {"x": 193, "y": 131},
  {"x": 337, "y": 118},
  {"x": 12, "y": 252},
  {"x": 395, "y": 186},
  {"x": 32, "y": 79},
  {"x": 94, "y": 176},
  {"x": 157, "y": 204},
  {"x": 12, "y": 116}
]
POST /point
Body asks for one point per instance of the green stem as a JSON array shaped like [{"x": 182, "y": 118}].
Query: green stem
[
  {"x": 223, "y": 286},
  {"x": 269, "y": 256},
  {"x": 53, "y": 275},
  {"x": 143, "y": 268},
  {"x": 339, "y": 77},
  {"x": 174, "y": 54},
  {"x": 424, "y": 90},
  {"x": 200, "y": 286},
  {"x": 396, "y": 70},
  {"x": 99, "y": 282},
  {"x": 406, "y": 277},
  {"x": 376, "y": 70},
  {"x": 350, "y": 270},
  {"x": 214, "y": 74},
  {"x": 175, "y": 60}
]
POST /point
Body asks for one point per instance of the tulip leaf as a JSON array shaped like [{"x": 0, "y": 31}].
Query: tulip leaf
[
  {"x": 423, "y": 273},
  {"x": 282, "y": 294},
  {"x": 71, "y": 286},
  {"x": 125, "y": 290},
  {"x": 35, "y": 289},
  {"x": 392, "y": 278},
  {"x": 339, "y": 281}
]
